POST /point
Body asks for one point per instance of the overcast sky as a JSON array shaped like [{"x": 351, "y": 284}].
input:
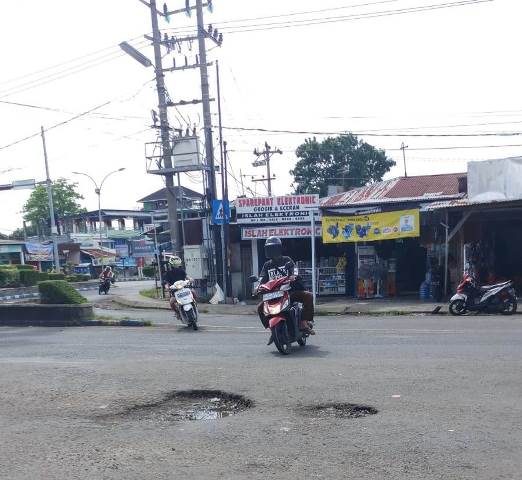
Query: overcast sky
[{"x": 445, "y": 71}]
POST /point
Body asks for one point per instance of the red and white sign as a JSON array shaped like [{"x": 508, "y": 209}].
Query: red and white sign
[
  {"x": 294, "y": 231},
  {"x": 285, "y": 209}
]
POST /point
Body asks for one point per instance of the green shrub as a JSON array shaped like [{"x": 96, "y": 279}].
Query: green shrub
[
  {"x": 28, "y": 278},
  {"x": 43, "y": 276},
  {"x": 149, "y": 271},
  {"x": 56, "y": 276},
  {"x": 25, "y": 267},
  {"x": 59, "y": 292},
  {"x": 9, "y": 277}
]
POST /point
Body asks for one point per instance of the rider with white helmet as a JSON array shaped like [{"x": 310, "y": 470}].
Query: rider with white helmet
[{"x": 175, "y": 273}]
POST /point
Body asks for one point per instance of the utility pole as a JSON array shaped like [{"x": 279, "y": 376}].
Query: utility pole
[
  {"x": 54, "y": 230},
  {"x": 165, "y": 131},
  {"x": 263, "y": 159},
  {"x": 224, "y": 198},
  {"x": 403, "y": 148},
  {"x": 205, "y": 97}
]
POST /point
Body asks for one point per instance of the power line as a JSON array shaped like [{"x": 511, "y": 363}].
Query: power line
[
  {"x": 373, "y": 134},
  {"x": 56, "y": 125},
  {"x": 345, "y": 18}
]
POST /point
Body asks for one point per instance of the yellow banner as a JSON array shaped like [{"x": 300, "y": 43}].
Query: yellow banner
[{"x": 372, "y": 227}]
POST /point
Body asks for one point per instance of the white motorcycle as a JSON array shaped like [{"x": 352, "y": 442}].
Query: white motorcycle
[{"x": 187, "y": 306}]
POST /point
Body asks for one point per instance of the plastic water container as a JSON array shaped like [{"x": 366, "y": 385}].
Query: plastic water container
[{"x": 424, "y": 291}]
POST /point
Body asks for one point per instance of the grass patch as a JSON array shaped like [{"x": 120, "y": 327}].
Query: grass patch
[{"x": 150, "y": 293}]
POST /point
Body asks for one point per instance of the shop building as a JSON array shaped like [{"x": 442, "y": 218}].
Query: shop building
[
  {"x": 11, "y": 252},
  {"x": 485, "y": 227},
  {"x": 378, "y": 234}
]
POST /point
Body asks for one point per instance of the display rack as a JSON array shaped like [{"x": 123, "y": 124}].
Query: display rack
[{"x": 330, "y": 281}]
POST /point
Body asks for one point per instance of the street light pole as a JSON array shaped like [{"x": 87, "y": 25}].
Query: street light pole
[
  {"x": 97, "y": 190},
  {"x": 54, "y": 230}
]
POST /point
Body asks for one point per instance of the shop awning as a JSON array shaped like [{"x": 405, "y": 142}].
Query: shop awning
[{"x": 97, "y": 253}]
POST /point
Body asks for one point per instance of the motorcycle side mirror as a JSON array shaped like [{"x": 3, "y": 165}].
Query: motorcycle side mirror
[{"x": 252, "y": 279}]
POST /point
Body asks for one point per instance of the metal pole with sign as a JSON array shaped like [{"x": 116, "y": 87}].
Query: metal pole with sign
[
  {"x": 156, "y": 254},
  {"x": 312, "y": 224}
]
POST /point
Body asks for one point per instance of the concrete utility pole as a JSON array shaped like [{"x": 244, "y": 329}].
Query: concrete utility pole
[
  {"x": 54, "y": 230},
  {"x": 205, "y": 97},
  {"x": 403, "y": 148},
  {"x": 165, "y": 130},
  {"x": 266, "y": 155}
]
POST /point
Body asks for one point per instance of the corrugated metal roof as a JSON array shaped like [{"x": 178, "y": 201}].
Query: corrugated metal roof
[
  {"x": 162, "y": 195},
  {"x": 466, "y": 202},
  {"x": 402, "y": 189}
]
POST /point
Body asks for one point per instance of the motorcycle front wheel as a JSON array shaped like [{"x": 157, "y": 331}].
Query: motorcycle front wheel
[
  {"x": 509, "y": 306},
  {"x": 280, "y": 334},
  {"x": 457, "y": 307}
]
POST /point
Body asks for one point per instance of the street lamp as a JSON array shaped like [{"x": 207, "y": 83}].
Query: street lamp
[{"x": 97, "y": 190}]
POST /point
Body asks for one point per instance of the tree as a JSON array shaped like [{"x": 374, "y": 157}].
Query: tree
[
  {"x": 65, "y": 198},
  {"x": 344, "y": 160}
]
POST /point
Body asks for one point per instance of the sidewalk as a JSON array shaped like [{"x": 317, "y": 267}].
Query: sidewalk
[{"x": 337, "y": 306}]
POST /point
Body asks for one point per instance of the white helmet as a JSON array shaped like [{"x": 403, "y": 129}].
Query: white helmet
[{"x": 175, "y": 262}]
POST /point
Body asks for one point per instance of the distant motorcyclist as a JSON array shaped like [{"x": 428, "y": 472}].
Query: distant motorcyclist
[
  {"x": 279, "y": 266},
  {"x": 107, "y": 274}
]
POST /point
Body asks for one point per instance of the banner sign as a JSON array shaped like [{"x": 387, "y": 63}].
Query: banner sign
[
  {"x": 261, "y": 233},
  {"x": 289, "y": 208},
  {"x": 37, "y": 252},
  {"x": 122, "y": 250},
  {"x": 142, "y": 248},
  {"x": 372, "y": 227}
]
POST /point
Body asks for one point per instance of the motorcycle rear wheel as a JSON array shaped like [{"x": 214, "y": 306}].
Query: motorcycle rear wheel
[
  {"x": 280, "y": 334},
  {"x": 457, "y": 307},
  {"x": 510, "y": 307}
]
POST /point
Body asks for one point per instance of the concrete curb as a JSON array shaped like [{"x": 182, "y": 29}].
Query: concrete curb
[
  {"x": 38, "y": 315},
  {"x": 251, "y": 310}
]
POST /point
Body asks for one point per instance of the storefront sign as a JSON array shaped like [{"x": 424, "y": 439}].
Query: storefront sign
[
  {"x": 289, "y": 208},
  {"x": 10, "y": 248},
  {"x": 142, "y": 248},
  {"x": 122, "y": 250},
  {"x": 297, "y": 231},
  {"x": 368, "y": 228},
  {"x": 37, "y": 252}
]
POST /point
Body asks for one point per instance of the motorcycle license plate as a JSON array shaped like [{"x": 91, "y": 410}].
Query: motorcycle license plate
[
  {"x": 272, "y": 295},
  {"x": 183, "y": 294}
]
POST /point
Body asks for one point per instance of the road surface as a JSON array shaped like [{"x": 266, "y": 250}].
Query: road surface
[{"x": 447, "y": 392}]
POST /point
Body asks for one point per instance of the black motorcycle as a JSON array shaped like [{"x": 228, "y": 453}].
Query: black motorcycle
[{"x": 104, "y": 286}]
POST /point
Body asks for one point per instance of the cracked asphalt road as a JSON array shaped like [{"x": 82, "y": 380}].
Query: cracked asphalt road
[{"x": 447, "y": 390}]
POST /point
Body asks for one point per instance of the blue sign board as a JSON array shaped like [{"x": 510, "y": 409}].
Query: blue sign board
[{"x": 220, "y": 212}]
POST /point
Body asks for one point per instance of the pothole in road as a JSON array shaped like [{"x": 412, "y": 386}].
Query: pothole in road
[
  {"x": 192, "y": 405},
  {"x": 340, "y": 410}
]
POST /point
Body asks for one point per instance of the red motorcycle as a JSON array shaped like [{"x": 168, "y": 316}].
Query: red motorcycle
[{"x": 283, "y": 316}]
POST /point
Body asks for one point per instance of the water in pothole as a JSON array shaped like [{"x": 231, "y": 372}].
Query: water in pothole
[
  {"x": 339, "y": 410},
  {"x": 192, "y": 405}
]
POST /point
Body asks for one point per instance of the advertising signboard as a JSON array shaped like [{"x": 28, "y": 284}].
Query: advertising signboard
[
  {"x": 38, "y": 252},
  {"x": 142, "y": 248},
  {"x": 368, "y": 228},
  {"x": 293, "y": 231},
  {"x": 273, "y": 210}
]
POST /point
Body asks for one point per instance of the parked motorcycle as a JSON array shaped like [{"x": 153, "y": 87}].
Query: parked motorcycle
[
  {"x": 470, "y": 297},
  {"x": 104, "y": 286},
  {"x": 186, "y": 303},
  {"x": 283, "y": 316}
]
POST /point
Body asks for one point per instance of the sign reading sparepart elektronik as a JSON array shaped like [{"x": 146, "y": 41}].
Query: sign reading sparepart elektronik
[{"x": 273, "y": 210}]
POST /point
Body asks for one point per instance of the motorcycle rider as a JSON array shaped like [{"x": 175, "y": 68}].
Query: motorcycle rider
[
  {"x": 107, "y": 274},
  {"x": 278, "y": 266},
  {"x": 176, "y": 273}
]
